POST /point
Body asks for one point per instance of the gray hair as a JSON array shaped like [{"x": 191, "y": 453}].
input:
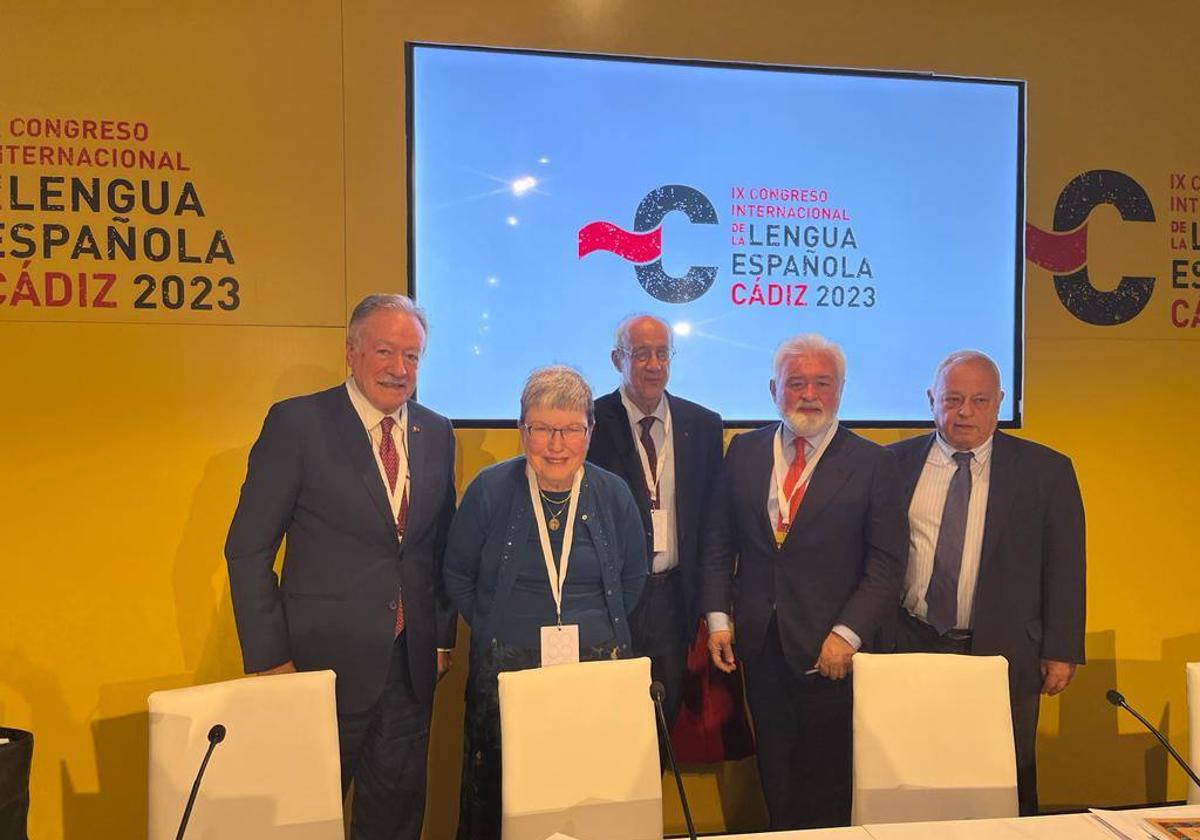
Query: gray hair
[
  {"x": 959, "y": 357},
  {"x": 810, "y": 343},
  {"x": 373, "y": 303},
  {"x": 623, "y": 329},
  {"x": 557, "y": 387}
]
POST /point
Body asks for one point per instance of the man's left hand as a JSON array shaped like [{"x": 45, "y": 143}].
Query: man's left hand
[
  {"x": 1056, "y": 676},
  {"x": 445, "y": 660},
  {"x": 834, "y": 661}
]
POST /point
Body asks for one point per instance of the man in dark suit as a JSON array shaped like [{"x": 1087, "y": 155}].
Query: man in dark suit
[
  {"x": 360, "y": 479},
  {"x": 806, "y": 541},
  {"x": 668, "y": 450},
  {"x": 996, "y": 553}
]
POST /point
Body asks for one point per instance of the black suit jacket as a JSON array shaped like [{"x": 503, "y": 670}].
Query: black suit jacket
[
  {"x": 841, "y": 563},
  {"x": 696, "y": 434},
  {"x": 313, "y": 477},
  {"x": 1030, "y": 593}
]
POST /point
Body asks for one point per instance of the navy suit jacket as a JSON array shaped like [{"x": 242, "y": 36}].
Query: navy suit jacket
[
  {"x": 1030, "y": 593},
  {"x": 697, "y": 437},
  {"x": 842, "y": 562},
  {"x": 312, "y": 477}
]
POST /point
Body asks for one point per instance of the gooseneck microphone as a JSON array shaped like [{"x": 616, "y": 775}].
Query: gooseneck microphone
[
  {"x": 1118, "y": 699},
  {"x": 215, "y": 736},
  {"x": 658, "y": 692}
]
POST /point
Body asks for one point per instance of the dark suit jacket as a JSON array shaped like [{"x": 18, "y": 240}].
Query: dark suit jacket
[
  {"x": 313, "y": 477},
  {"x": 842, "y": 562},
  {"x": 1030, "y": 593},
  {"x": 696, "y": 434}
]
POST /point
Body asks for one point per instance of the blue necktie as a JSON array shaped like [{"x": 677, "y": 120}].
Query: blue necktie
[{"x": 941, "y": 597}]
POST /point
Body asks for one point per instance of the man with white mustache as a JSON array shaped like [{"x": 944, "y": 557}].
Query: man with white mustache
[
  {"x": 360, "y": 480},
  {"x": 804, "y": 554}
]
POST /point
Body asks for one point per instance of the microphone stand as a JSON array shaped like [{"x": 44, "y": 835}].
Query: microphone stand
[
  {"x": 215, "y": 736},
  {"x": 657, "y": 691}
]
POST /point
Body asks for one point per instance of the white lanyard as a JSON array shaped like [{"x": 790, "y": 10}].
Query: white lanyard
[
  {"x": 652, "y": 488},
  {"x": 556, "y": 581},
  {"x": 781, "y": 470}
]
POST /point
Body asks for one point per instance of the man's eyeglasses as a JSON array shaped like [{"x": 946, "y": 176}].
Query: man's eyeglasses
[
  {"x": 641, "y": 355},
  {"x": 542, "y": 434}
]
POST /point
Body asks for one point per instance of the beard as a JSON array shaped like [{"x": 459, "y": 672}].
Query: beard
[{"x": 807, "y": 425}]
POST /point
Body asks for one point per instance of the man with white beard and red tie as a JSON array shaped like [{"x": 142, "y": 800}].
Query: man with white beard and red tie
[{"x": 802, "y": 560}]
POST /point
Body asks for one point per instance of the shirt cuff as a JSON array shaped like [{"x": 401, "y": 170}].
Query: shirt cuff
[
  {"x": 445, "y": 650},
  {"x": 849, "y": 635},
  {"x": 718, "y": 621}
]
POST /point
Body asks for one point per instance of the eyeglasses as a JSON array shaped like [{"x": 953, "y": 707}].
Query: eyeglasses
[
  {"x": 641, "y": 355},
  {"x": 542, "y": 434}
]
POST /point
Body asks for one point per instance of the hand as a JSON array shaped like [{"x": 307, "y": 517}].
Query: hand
[
  {"x": 1056, "y": 676},
  {"x": 288, "y": 667},
  {"x": 720, "y": 647},
  {"x": 445, "y": 660},
  {"x": 834, "y": 661}
]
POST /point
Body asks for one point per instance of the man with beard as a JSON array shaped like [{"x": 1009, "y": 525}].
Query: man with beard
[{"x": 806, "y": 542}]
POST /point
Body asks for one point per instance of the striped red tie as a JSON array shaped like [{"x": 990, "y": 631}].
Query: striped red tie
[{"x": 391, "y": 466}]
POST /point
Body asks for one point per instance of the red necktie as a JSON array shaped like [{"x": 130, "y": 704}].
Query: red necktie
[
  {"x": 391, "y": 466},
  {"x": 789, "y": 484}
]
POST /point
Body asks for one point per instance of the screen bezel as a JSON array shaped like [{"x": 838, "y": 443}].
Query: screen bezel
[{"x": 1015, "y": 390}]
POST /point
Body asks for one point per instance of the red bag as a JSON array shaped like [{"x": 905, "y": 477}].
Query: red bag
[{"x": 711, "y": 725}]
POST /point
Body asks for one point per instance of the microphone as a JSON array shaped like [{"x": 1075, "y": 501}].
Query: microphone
[
  {"x": 658, "y": 692},
  {"x": 1118, "y": 699},
  {"x": 215, "y": 736}
]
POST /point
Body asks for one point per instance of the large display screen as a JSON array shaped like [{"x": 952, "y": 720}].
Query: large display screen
[{"x": 551, "y": 195}]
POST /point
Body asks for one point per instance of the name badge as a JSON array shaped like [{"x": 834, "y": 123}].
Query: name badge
[
  {"x": 658, "y": 521},
  {"x": 560, "y": 644}
]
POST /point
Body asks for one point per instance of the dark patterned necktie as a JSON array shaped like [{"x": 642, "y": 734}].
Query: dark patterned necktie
[
  {"x": 651, "y": 455},
  {"x": 391, "y": 465},
  {"x": 941, "y": 597}
]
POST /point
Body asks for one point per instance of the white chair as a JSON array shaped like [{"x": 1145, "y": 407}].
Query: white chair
[
  {"x": 275, "y": 776},
  {"x": 1193, "y": 698},
  {"x": 580, "y": 752},
  {"x": 933, "y": 738}
]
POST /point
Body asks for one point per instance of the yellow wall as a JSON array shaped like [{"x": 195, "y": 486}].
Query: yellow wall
[{"x": 127, "y": 431}]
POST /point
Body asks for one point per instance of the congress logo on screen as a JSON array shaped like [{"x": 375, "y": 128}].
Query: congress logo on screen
[{"x": 643, "y": 246}]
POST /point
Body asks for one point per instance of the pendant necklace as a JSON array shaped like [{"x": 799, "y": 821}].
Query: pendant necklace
[{"x": 555, "y": 523}]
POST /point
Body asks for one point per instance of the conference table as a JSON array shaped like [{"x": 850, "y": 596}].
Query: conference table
[{"x": 1055, "y": 827}]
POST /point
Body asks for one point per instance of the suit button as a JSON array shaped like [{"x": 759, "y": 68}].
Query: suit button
[
  {"x": 608, "y": 592},
  {"x": 392, "y": 606}
]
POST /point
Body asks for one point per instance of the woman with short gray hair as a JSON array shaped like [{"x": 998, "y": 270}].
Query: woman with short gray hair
[{"x": 543, "y": 548}]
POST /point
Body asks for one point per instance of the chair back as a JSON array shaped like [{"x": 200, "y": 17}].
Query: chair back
[
  {"x": 580, "y": 752},
  {"x": 933, "y": 738},
  {"x": 276, "y": 775}
]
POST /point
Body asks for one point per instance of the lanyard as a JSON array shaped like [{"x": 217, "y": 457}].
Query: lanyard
[
  {"x": 781, "y": 469},
  {"x": 668, "y": 443},
  {"x": 556, "y": 581}
]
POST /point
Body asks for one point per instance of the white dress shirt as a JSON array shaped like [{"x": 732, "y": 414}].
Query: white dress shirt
[
  {"x": 371, "y": 418},
  {"x": 665, "y": 449},
  {"x": 925, "y": 520}
]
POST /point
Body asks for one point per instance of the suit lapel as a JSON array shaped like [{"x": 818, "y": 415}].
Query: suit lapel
[
  {"x": 1001, "y": 492},
  {"x": 827, "y": 479},
  {"x": 760, "y": 470},
  {"x": 621, "y": 438},
  {"x": 357, "y": 444},
  {"x": 418, "y": 465},
  {"x": 681, "y": 443},
  {"x": 913, "y": 464}
]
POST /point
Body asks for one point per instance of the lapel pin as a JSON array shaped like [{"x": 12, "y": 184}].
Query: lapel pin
[{"x": 415, "y": 428}]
